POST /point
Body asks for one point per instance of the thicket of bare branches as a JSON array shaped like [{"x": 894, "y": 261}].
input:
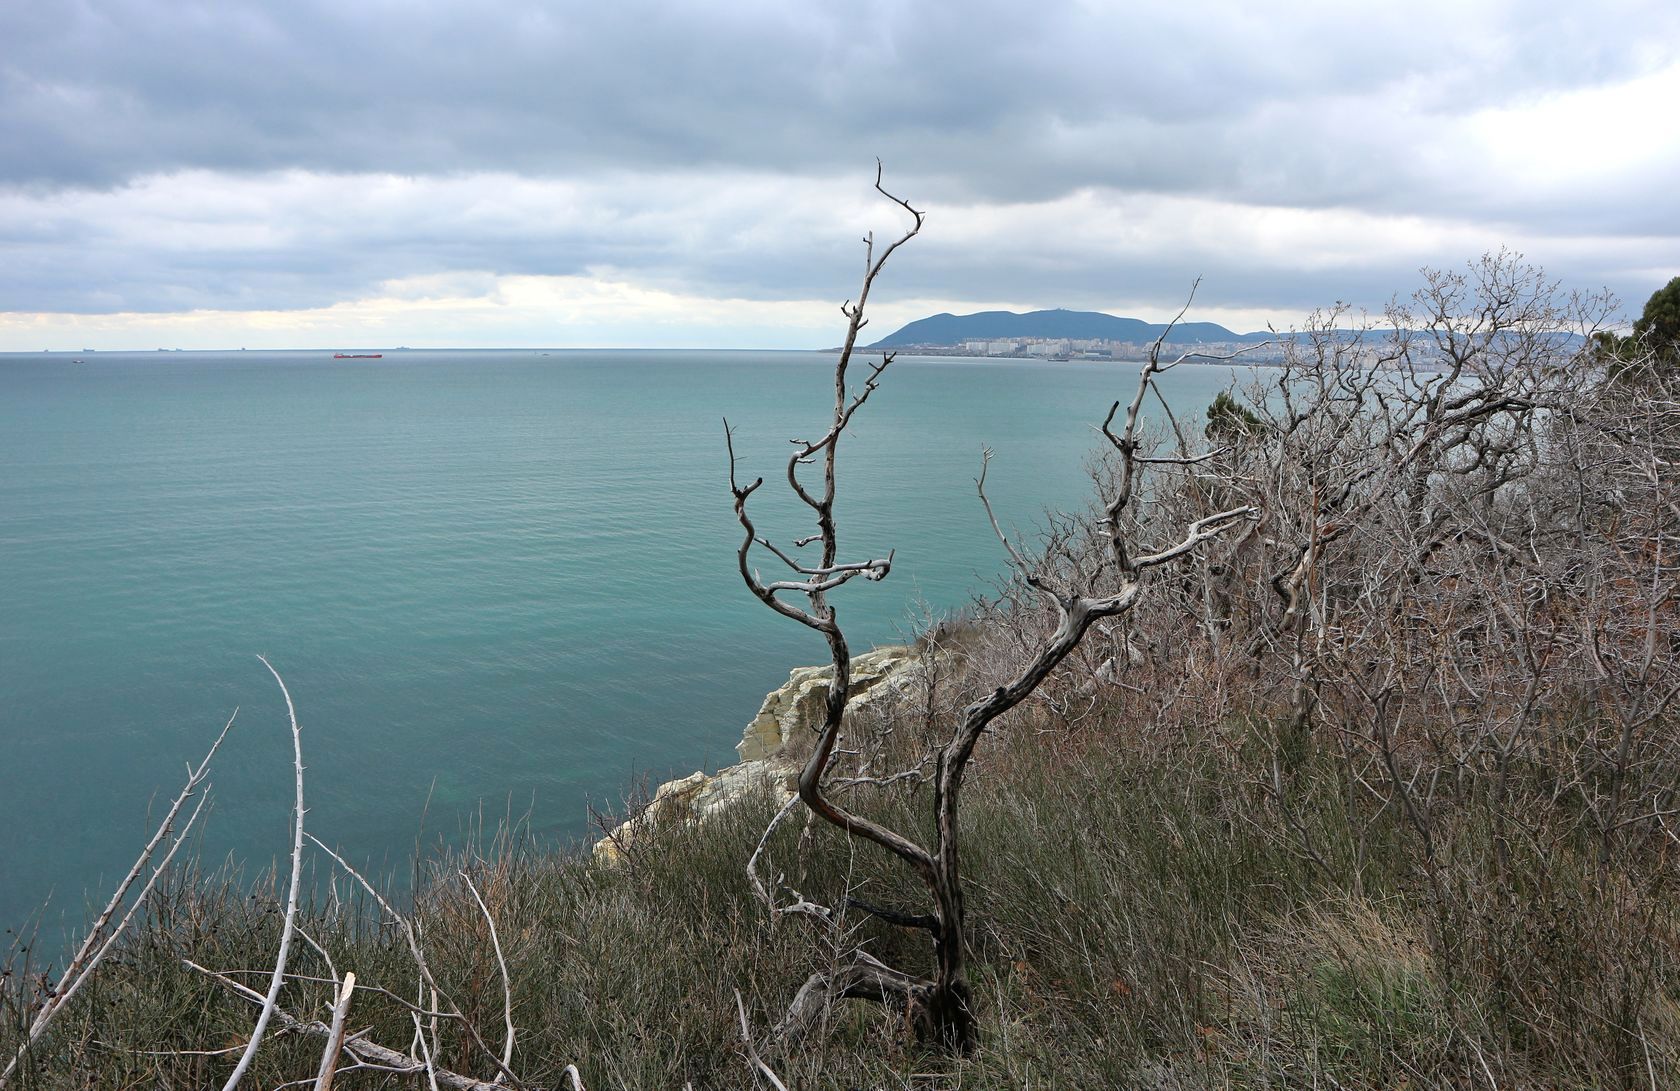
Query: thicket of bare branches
[
  {"x": 1462, "y": 588},
  {"x": 1466, "y": 575},
  {"x": 1439, "y": 548}
]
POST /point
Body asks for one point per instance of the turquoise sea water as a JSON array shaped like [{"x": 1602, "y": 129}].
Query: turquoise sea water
[{"x": 501, "y": 580}]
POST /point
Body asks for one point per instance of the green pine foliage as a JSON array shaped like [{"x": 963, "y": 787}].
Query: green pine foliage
[
  {"x": 1654, "y": 342},
  {"x": 1230, "y": 420}
]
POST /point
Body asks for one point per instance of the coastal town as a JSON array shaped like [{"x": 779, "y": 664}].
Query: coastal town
[
  {"x": 1064, "y": 348},
  {"x": 1378, "y": 351}
]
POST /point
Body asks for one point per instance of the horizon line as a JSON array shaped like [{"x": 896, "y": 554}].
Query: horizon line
[{"x": 155, "y": 350}]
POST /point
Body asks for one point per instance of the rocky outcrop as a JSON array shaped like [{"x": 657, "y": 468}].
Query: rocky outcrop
[
  {"x": 798, "y": 706},
  {"x": 791, "y": 712}
]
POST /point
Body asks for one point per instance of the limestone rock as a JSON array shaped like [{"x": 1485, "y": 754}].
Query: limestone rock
[
  {"x": 693, "y": 798},
  {"x": 796, "y": 707}
]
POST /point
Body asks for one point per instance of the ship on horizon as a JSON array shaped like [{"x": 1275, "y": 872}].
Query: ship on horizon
[{"x": 358, "y": 356}]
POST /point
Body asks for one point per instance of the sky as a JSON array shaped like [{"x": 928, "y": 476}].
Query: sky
[{"x": 217, "y": 173}]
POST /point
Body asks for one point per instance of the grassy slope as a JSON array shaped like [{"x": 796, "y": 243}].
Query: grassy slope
[{"x": 1140, "y": 914}]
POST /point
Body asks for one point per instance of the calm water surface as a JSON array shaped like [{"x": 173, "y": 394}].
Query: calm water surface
[{"x": 500, "y": 580}]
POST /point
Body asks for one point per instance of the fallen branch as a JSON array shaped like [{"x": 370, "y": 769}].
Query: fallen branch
[
  {"x": 426, "y": 979},
  {"x": 370, "y": 1053},
  {"x": 335, "y": 1040}
]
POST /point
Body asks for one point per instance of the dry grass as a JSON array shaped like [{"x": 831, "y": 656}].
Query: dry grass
[{"x": 1139, "y": 916}]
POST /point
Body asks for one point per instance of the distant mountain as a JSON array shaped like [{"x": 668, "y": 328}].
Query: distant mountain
[{"x": 954, "y": 329}]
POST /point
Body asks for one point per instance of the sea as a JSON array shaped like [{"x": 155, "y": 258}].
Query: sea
[{"x": 500, "y": 585}]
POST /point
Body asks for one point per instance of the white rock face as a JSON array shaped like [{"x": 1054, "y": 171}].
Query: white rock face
[
  {"x": 794, "y": 708},
  {"x": 798, "y": 706}
]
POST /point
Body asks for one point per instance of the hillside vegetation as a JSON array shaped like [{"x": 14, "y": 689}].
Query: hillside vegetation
[
  {"x": 1372, "y": 786},
  {"x": 1147, "y": 911}
]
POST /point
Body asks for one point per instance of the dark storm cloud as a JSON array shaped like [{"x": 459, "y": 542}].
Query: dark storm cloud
[{"x": 1312, "y": 105}]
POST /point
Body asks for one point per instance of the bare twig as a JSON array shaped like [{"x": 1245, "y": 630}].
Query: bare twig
[
  {"x": 753, "y": 1059},
  {"x": 335, "y": 1039},
  {"x": 501, "y": 962},
  {"x": 97, "y": 943},
  {"x": 289, "y": 927},
  {"x": 426, "y": 1055}
]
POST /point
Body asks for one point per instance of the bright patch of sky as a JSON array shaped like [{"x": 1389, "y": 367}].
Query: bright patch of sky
[{"x": 510, "y": 172}]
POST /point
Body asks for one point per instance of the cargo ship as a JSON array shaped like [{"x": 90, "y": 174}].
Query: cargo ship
[{"x": 358, "y": 356}]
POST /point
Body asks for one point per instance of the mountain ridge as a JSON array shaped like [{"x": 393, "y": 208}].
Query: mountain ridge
[{"x": 946, "y": 329}]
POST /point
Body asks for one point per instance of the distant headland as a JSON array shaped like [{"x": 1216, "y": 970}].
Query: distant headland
[{"x": 1058, "y": 335}]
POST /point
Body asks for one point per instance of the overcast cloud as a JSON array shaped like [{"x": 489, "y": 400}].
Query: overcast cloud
[{"x": 512, "y": 172}]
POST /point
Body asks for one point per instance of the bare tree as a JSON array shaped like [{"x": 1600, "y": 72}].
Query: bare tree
[{"x": 938, "y": 1003}]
